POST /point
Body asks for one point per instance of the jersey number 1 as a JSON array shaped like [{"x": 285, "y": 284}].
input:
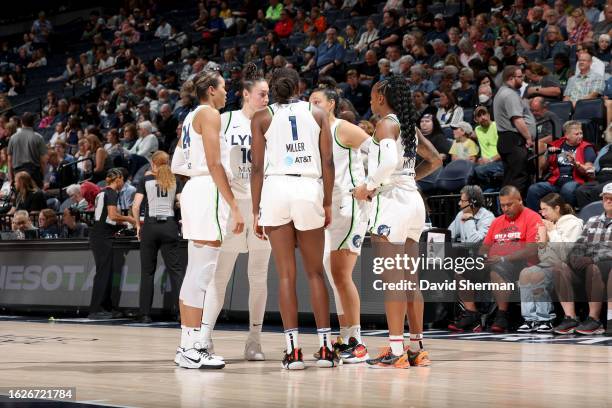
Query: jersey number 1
[{"x": 293, "y": 127}]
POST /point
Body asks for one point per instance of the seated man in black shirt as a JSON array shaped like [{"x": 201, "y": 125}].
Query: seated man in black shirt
[
  {"x": 388, "y": 33},
  {"x": 357, "y": 93},
  {"x": 368, "y": 70}
]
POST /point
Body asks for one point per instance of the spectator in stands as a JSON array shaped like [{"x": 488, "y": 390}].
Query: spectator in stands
[
  {"x": 603, "y": 26},
  {"x": 590, "y": 11},
  {"x": 473, "y": 220},
  {"x": 389, "y": 32},
  {"x": 468, "y": 52},
  {"x": 581, "y": 29},
  {"x": 284, "y": 27},
  {"x": 541, "y": 83},
  {"x": 147, "y": 143},
  {"x": 275, "y": 45},
  {"x": 560, "y": 228},
  {"x": 570, "y": 164},
  {"x": 597, "y": 66},
  {"x": 164, "y": 29},
  {"x": 463, "y": 147},
  {"x": 562, "y": 69},
  {"x": 393, "y": 55},
  {"x": 419, "y": 82},
  {"x": 590, "y": 191},
  {"x": 439, "y": 31},
  {"x": 419, "y": 101},
  {"x": 75, "y": 199},
  {"x": 548, "y": 125},
  {"x": 27, "y": 151},
  {"x": 274, "y": 11},
  {"x": 505, "y": 245},
  {"x": 316, "y": 20},
  {"x": 552, "y": 20},
  {"x": 512, "y": 118},
  {"x": 369, "y": 69},
  {"x": 448, "y": 113},
  {"x": 490, "y": 166},
  {"x": 41, "y": 30},
  {"x": 128, "y": 191},
  {"x": 22, "y": 226},
  {"x": 47, "y": 121},
  {"x": 102, "y": 161},
  {"x": 585, "y": 84},
  {"x": 83, "y": 153},
  {"x": 590, "y": 260},
  {"x": 29, "y": 197},
  {"x": 466, "y": 94},
  {"x": 367, "y": 37},
  {"x": 47, "y": 224},
  {"x": 39, "y": 59},
  {"x": 357, "y": 93},
  {"x": 430, "y": 128},
  {"x": 72, "y": 227},
  {"x": 330, "y": 55},
  {"x": 602, "y": 51},
  {"x": 485, "y": 97}
]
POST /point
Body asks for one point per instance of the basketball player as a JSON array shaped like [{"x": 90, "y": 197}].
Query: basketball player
[
  {"x": 343, "y": 237},
  {"x": 294, "y": 203},
  {"x": 206, "y": 200},
  {"x": 237, "y": 131},
  {"x": 398, "y": 213}
]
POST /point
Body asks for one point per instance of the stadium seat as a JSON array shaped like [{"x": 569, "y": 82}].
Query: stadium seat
[
  {"x": 562, "y": 109},
  {"x": 455, "y": 176},
  {"x": 592, "y": 114},
  {"x": 428, "y": 184},
  {"x": 591, "y": 210}
]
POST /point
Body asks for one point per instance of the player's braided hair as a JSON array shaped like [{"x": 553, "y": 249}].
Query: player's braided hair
[{"x": 398, "y": 97}]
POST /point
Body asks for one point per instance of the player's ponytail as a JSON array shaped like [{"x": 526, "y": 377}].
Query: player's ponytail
[
  {"x": 398, "y": 97},
  {"x": 163, "y": 174},
  {"x": 284, "y": 84}
]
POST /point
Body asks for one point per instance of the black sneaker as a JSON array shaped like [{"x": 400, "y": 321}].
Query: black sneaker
[
  {"x": 328, "y": 358},
  {"x": 145, "y": 319},
  {"x": 293, "y": 360},
  {"x": 545, "y": 327},
  {"x": 609, "y": 328},
  {"x": 468, "y": 321},
  {"x": 501, "y": 323},
  {"x": 102, "y": 315},
  {"x": 528, "y": 327},
  {"x": 590, "y": 326},
  {"x": 567, "y": 326}
]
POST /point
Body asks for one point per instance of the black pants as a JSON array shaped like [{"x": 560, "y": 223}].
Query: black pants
[
  {"x": 513, "y": 151},
  {"x": 156, "y": 236},
  {"x": 589, "y": 193},
  {"x": 101, "y": 242},
  {"x": 34, "y": 172}
]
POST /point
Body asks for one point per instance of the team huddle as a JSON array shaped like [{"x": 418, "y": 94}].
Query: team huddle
[{"x": 269, "y": 178}]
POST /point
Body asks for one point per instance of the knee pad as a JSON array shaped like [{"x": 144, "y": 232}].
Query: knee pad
[{"x": 198, "y": 277}]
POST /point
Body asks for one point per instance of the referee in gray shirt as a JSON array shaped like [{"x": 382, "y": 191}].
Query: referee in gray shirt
[
  {"x": 515, "y": 126},
  {"x": 160, "y": 191}
]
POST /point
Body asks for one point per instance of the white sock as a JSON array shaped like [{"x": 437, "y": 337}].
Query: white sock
[
  {"x": 291, "y": 338},
  {"x": 355, "y": 331},
  {"x": 416, "y": 341},
  {"x": 344, "y": 334},
  {"x": 206, "y": 334},
  {"x": 397, "y": 345},
  {"x": 258, "y": 291},
  {"x": 609, "y": 314},
  {"x": 189, "y": 337},
  {"x": 324, "y": 337}
]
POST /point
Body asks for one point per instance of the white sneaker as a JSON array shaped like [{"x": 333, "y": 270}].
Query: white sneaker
[
  {"x": 199, "y": 358},
  {"x": 177, "y": 356},
  {"x": 528, "y": 327},
  {"x": 252, "y": 352},
  {"x": 208, "y": 345}
]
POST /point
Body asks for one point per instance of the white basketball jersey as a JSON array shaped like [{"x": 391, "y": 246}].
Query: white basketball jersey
[
  {"x": 292, "y": 141},
  {"x": 190, "y": 157},
  {"x": 403, "y": 174},
  {"x": 237, "y": 131},
  {"x": 348, "y": 164}
]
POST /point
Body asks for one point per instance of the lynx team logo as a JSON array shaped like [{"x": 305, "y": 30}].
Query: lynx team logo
[
  {"x": 357, "y": 241},
  {"x": 384, "y": 230}
]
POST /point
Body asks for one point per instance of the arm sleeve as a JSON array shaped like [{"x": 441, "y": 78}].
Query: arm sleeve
[
  {"x": 387, "y": 162},
  {"x": 141, "y": 187},
  {"x": 179, "y": 164},
  {"x": 111, "y": 197}
]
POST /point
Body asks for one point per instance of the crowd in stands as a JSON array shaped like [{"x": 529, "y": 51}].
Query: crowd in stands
[{"x": 452, "y": 55}]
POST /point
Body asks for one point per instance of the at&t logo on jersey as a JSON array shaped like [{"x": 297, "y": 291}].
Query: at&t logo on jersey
[
  {"x": 384, "y": 230},
  {"x": 357, "y": 241}
]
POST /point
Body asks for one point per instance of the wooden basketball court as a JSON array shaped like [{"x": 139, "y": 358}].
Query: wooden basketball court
[{"x": 133, "y": 366}]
